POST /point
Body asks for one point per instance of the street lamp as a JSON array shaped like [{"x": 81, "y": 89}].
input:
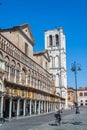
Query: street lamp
[{"x": 75, "y": 67}]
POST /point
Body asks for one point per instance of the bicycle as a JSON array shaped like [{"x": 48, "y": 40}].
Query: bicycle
[{"x": 58, "y": 118}]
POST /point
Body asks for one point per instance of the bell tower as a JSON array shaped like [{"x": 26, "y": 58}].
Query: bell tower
[{"x": 56, "y": 46}]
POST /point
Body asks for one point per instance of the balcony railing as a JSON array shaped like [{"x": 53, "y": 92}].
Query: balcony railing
[{"x": 19, "y": 55}]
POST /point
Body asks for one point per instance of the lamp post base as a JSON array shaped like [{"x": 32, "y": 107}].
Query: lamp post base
[{"x": 77, "y": 110}]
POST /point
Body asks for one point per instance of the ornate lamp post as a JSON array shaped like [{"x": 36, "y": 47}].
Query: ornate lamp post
[{"x": 75, "y": 67}]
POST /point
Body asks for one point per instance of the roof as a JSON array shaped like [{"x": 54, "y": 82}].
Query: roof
[
  {"x": 42, "y": 53},
  {"x": 82, "y": 89},
  {"x": 20, "y": 28}
]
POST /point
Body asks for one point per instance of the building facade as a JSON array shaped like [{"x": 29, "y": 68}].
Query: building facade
[
  {"x": 56, "y": 46},
  {"x": 26, "y": 86},
  {"x": 82, "y": 96},
  {"x": 71, "y": 94}
]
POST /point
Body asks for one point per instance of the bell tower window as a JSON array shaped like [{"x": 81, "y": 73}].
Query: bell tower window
[
  {"x": 57, "y": 39},
  {"x": 50, "y": 40}
]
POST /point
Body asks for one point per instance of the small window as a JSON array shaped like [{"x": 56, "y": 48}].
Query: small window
[
  {"x": 80, "y": 94},
  {"x": 26, "y": 48},
  {"x": 85, "y": 94}
]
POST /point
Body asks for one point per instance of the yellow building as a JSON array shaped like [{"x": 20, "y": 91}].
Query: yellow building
[
  {"x": 71, "y": 93},
  {"x": 26, "y": 86}
]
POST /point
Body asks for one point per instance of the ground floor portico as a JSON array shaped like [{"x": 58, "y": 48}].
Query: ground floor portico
[
  {"x": 11, "y": 107},
  {"x": 18, "y": 100}
]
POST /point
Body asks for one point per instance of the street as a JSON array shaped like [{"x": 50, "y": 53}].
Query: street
[{"x": 70, "y": 121}]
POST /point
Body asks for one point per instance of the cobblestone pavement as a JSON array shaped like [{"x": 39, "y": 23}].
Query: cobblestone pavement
[{"x": 69, "y": 122}]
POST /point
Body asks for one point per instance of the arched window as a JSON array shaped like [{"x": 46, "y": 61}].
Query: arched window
[
  {"x": 57, "y": 39},
  {"x": 50, "y": 40}
]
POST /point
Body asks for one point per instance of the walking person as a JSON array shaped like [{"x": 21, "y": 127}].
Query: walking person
[{"x": 58, "y": 115}]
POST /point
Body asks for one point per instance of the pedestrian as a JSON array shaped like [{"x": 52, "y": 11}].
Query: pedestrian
[{"x": 57, "y": 114}]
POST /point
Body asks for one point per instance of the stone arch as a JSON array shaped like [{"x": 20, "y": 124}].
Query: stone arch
[
  {"x": 24, "y": 69},
  {"x": 7, "y": 59},
  {"x": 13, "y": 63},
  {"x": 18, "y": 65}
]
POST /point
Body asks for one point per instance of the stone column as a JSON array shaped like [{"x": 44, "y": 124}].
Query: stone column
[
  {"x": 44, "y": 106},
  {"x": 39, "y": 108},
  {"x": 20, "y": 76},
  {"x": 24, "y": 107},
  {"x": 30, "y": 107},
  {"x": 30, "y": 80},
  {"x": 47, "y": 106},
  {"x": 35, "y": 106},
  {"x": 54, "y": 41},
  {"x": 9, "y": 73},
  {"x": 10, "y": 108},
  {"x": 18, "y": 107},
  {"x": 26, "y": 79},
  {"x": 15, "y": 75},
  {"x": 2, "y": 99}
]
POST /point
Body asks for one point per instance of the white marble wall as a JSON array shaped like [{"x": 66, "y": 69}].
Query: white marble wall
[{"x": 58, "y": 60}]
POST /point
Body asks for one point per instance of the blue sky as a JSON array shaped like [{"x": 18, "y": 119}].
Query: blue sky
[{"x": 50, "y": 14}]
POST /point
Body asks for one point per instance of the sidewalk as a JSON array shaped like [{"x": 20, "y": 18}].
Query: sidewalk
[{"x": 69, "y": 122}]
